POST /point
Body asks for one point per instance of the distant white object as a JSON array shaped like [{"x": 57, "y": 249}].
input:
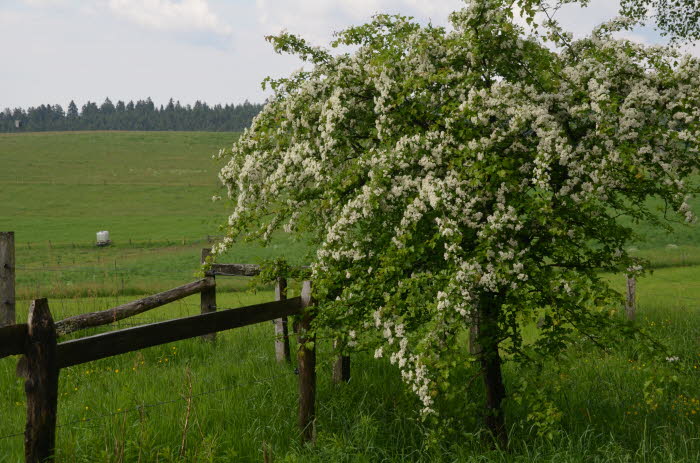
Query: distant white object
[{"x": 103, "y": 238}]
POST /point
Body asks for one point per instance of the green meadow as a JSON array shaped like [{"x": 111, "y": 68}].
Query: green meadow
[
  {"x": 142, "y": 186},
  {"x": 151, "y": 190},
  {"x": 229, "y": 400}
]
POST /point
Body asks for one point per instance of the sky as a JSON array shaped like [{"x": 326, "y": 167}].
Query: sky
[{"x": 55, "y": 51}]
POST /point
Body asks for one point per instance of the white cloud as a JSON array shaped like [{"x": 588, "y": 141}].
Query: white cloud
[
  {"x": 423, "y": 10},
  {"x": 193, "y": 19},
  {"x": 137, "y": 47},
  {"x": 318, "y": 19},
  {"x": 45, "y": 2},
  {"x": 170, "y": 15}
]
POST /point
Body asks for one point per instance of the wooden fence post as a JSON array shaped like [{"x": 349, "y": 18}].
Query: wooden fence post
[
  {"x": 7, "y": 278},
  {"x": 631, "y": 305},
  {"x": 474, "y": 348},
  {"x": 341, "y": 369},
  {"x": 208, "y": 296},
  {"x": 40, "y": 369},
  {"x": 306, "y": 359},
  {"x": 281, "y": 326}
]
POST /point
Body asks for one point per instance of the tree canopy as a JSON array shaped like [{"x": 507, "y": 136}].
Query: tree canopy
[{"x": 472, "y": 175}]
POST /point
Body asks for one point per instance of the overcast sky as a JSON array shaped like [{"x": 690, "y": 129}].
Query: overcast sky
[{"x": 209, "y": 50}]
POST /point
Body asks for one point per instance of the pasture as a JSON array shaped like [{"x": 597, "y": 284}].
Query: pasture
[{"x": 192, "y": 401}]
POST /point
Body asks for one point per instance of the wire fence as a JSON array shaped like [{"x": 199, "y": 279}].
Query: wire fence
[
  {"x": 114, "y": 262},
  {"x": 82, "y": 261},
  {"x": 63, "y": 308},
  {"x": 161, "y": 403},
  {"x": 117, "y": 277},
  {"x": 101, "y": 290},
  {"x": 325, "y": 366},
  {"x": 261, "y": 338},
  {"x": 121, "y": 242},
  {"x": 679, "y": 285}
]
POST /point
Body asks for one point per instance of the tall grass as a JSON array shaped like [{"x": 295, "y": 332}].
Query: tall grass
[{"x": 244, "y": 403}]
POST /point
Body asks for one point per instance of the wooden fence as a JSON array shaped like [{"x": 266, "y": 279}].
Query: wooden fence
[
  {"x": 43, "y": 356},
  {"x": 7, "y": 278}
]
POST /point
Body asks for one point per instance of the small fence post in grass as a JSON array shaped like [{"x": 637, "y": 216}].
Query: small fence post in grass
[
  {"x": 208, "y": 296},
  {"x": 341, "y": 369},
  {"x": 7, "y": 278},
  {"x": 306, "y": 359},
  {"x": 474, "y": 348},
  {"x": 281, "y": 327},
  {"x": 40, "y": 369},
  {"x": 631, "y": 305}
]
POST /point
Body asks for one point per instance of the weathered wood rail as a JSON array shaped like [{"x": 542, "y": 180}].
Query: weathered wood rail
[
  {"x": 99, "y": 346},
  {"x": 104, "y": 317},
  {"x": 43, "y": 356},
  {"x": 12, "y": 339},
  {"x": 235, "y": 270}
]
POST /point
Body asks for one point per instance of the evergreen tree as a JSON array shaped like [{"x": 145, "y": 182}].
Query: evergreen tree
[
  {"x": 72, "y": 110},
  {"x": 107, "y": 107},
  {"x": 142, "y": 115}
]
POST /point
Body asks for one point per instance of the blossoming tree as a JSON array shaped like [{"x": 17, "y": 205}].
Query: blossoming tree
[{"x": 466, "y": 176}]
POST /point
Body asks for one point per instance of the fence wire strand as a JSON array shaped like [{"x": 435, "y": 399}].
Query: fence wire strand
[
  {"x": 159, "y": 403},
  {"x": 320, "y": 366}
]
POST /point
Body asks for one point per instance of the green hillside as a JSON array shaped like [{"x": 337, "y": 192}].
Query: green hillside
[
  {"x": 65, "y": 187},
  {"x": 151, "y": 190}
]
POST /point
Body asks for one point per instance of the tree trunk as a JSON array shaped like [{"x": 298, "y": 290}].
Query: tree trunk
[{"x": 491, "y": 367}]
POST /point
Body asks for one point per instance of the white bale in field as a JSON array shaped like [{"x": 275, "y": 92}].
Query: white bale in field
[{"x": 102, "y": 237}]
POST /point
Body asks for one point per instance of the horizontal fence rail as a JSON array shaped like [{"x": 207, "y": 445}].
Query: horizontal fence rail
[
  {"x": 12, "y": 340},
  {"x": 130, "y": 309},
  {"x": 235, "y": 270},
  {"x": 240, "y": 270},
  {"x": 43, "y": 356},
  {"x": 104, "y": 345}
]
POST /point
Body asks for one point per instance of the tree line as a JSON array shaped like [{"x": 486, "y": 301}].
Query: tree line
[{"x": 142, "y": 115}]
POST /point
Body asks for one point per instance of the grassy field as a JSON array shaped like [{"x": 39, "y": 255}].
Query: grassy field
[
  {"x": 65, "y": 187},
  {"x": 134, "y": 407},
  {"x": 152, "y": 192}
]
